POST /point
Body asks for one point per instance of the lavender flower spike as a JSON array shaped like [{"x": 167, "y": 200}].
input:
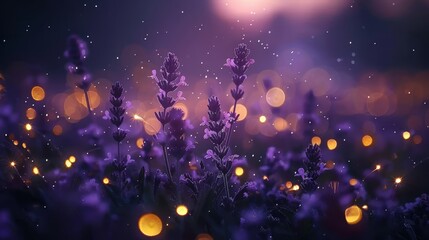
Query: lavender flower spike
[
  {"x": 77, "y": 53},
  {"x": 117, "y": 113},
  {"x": 238, "y": 65},
  {"x": 170, "y": 81}
]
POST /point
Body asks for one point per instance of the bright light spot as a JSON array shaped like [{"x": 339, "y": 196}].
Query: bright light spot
[
  {"x": 24, "y": 145},
  {"x": 275, "y": 97},
  {"x": 204, "y": 236},
  {"x": 28, "y": 127},
  {"x": 241, "y": 110},
  {"x": 30, "y": 113},
  {"x": 37, "y": 93},
  {"x": 367, "y": 140},
  {"x": 316, "y": 140},
  {"x": 137, "y": 117},
  {"x": 239, "y": 171},
  {"x": 57, "y": 130},
  {"x": 280, "y": 124},
  {"x": 353, "y": 215},
  {"x": 72, "y": 159},
  {"x": 106, "y": 180},
  {"x": 332, "y": 144},
  {"x": 289, "y": 184},
  {"x": 15, "y": 142},
  {"x": 406, "y": 135},
  {"x": 262, "y": 119},
  {"x": 377, "y": 167},
  {"x": 12, "y": 164},
  {"x": 295, "y": 187},
  {"x": 68, "y": 163},
  {"x": 265, "y": 178},
  {"x": 150, "y": 225},
  {"x": 398, "y": 180},
  {"x": 36, "y": 170},
  {"x": 182, "y": 210},
  {"x": 140, "y": 143},
  {"x": 365, "y": 207},
  {"x": 353, "y": 182}
]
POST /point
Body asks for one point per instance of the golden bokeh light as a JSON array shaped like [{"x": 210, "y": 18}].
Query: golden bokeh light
[
  {"x": 182, "y": 210},
  {"x": 152, "y": 126},
  {"x": 31, "y": 113},
  {"x": 353, "y": 182},
  {"x": 72, "y": 159},
  {"x": 275, "y": 97},
  {"x": 406, "y": 135},
  {"x": 140, "y": 143},
  {"x": 241, "y": 110},
  {"x": 280, "y": 124},
  {"x": 295, "y": 187},
  {"x": 353, "y": 215},
  {"x": 57, "y": 130},
  {"x": 262, "y": 119},
  {"x": 12, "y": 164},
  {"x": 398, "y": 180},
  {"x": 289, "y": 184},
  {"x": 316, "y": 140},
  {"x": 28, "y": 127},
  {"x": 377, "y": 167},
  {"x": 150, "y": 225},
  {"x": 332, "y": 144},
  {"x": 68, "y": 163},
  {"x": 204, "y": 236},
  {"x": 367, "y": 140},
  {"x": 38, "y": 93},
  {"x": 93, "y": 97},
  {"x": 36, "y": 171},
  {"x": 106, "y": 181},
  {"x": 239, "y": 171}
]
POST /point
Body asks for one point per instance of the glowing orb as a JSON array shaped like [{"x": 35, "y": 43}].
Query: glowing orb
[
  {"x": 72, "y": 159},
  {"x": 241, "y": 110},
  {"x": 289, "y": 184},
  {"x": 377, "y": 167},
  {"x": 316, "y": 140},
  {"x": 68, "y": 164},
  {"x": 406, "y": 135},
  {"x": 30, "y": 113},
  {"x": 182, "y": 210},
  {"x": 57, "y": 130},
  {"x": 262, "y": 119},
  {"x": 150, "y": 224},
  {"x": 353, "y": 215},
  {"x": 140, "y": 143},
  {"x": 106, "y": 180},
  {"x": 275, "y": 97},
  {"x": 332, "y": 144},
  {"x": 239, "y": 171},
  {"x": 367, "y": 140},
  {"x": 204, "y": 236},
  {"x": 353, "y": 182},
  {"x": 12, "y": 164},
  {"x": 36, "y": 170},
  {"x": 182, "y": 107},
  {"x": 398, "y": 180},
  {"x": 38, "y": 93},
  {"x": 28, "y": 127},
  {"x": 295, "y": 187},
  {"x": 280, "y": 124}
]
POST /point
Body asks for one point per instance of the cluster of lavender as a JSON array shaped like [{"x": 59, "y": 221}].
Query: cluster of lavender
[
  {"x": 77, "y": 53},
  {"x": 170, "y": 81},
  {"x": 313, "y": 167},
  {"x": 107, "y": 199}
]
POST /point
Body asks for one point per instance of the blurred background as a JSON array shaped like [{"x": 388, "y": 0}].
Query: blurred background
[{"x": 366, "y": 63}]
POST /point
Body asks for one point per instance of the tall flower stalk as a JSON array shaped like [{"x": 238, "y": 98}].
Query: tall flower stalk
[
  {"x": 313, "y": 167},
  {"x": 170, "y": 81},
  {"x": 117, "y": 113},
  {"x": 77, "y": 53},
  {"x": 238, "y": 65},
  {"x": 216, "y": 127}
]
